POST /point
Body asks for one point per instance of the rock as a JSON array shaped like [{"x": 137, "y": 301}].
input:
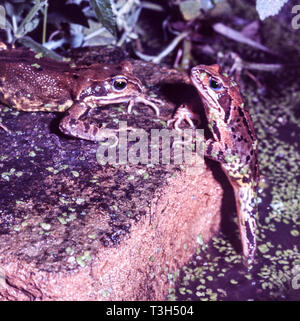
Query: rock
[
  {"x": 72, "y": 229},
  {"x": 135, "y": 269}
]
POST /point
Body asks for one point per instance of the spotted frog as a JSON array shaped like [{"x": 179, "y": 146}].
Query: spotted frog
[
  {"x": 30, "y": 82},
  {"x": 234, "y": 143}
]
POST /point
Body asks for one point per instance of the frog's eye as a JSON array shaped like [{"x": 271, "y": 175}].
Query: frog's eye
[
  {"x": 119, "y": 83},
  {"x": 213, "y": 84}
]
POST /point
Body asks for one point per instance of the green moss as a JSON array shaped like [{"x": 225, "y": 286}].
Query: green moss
[
  {"x": 36, "y": 65},
  {"x": 45, "y": 226}
]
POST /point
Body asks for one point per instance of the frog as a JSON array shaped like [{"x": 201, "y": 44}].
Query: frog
[
  {"x": 234, "y": 143},
  {"x": 30, "y": 82}
]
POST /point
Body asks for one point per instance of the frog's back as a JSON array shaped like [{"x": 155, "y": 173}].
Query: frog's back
[{"x": 30, "y": 83}]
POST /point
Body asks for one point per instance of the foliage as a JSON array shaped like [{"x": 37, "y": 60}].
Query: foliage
[
  {"x": 47, "y": 25},
  {"x": 76, "y": 23}
]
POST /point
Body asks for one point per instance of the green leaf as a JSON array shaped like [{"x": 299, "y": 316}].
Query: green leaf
[
  {"x": 37, "y": 47},
  {"x": 190, "y": 9},
  {"x": 29, "y": 23},
  {"x": 104, "y": 13}
]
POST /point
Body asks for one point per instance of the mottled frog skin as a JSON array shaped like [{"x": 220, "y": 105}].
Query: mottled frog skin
[
  {"x": 234, "y": 143},
  {"x": 29, "y": 82}
]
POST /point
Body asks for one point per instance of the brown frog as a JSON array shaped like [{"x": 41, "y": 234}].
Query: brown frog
[
  {"x": 234, "y": 143},
  {"x": 30, "y": 82}
]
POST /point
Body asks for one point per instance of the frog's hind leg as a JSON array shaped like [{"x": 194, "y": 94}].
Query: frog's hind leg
[
  {"x": 245, "y": 199},
  {"x": 75, "y": 124},
  {"x": 246, "y": 204}
]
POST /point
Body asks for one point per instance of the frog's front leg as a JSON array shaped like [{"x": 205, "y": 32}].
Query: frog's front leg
[
  {"x": 214, "y": 150},
  {"x": 74, "y": 125},
  {"x": 184, "y": 113},
  {"x": 152, "y": 102}
]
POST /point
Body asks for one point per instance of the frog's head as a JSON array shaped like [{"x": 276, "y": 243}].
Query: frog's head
[
  {"x": 109, "y": 84},
  {"x": 216, "y": 89}
]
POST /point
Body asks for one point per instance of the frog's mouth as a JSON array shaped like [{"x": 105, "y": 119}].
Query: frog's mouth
[{"x": 108, "y": 99}]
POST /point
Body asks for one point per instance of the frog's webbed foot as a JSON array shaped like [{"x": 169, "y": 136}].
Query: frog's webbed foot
[
  {"x": 149, "y": 101},
  {"x": 184, "y": 113}
]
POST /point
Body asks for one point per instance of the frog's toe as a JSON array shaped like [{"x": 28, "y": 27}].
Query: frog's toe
[
  {"x": 152, "y": 102},
  {"x": 175, "y": 123}
]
